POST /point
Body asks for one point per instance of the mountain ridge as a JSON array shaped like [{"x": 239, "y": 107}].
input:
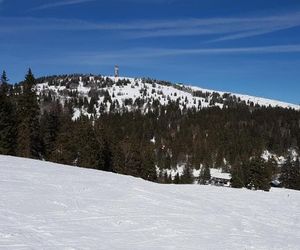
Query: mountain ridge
[{"x": 128, "y": 94}]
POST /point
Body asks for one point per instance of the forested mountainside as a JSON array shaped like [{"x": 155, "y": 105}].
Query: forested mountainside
[{"x": 142, "y": 127}]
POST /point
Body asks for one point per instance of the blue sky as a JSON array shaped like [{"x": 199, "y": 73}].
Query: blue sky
[{"x": 250, "y": 47}]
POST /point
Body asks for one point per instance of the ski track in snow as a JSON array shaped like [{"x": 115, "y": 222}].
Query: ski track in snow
[{"x": 50, "y": 206}]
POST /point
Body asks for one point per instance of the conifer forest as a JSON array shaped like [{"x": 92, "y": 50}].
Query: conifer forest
[{"x": 142, "y": 137}]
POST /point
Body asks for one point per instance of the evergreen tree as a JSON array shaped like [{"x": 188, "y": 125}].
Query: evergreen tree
[
  {"x": 4, "y": 82},
  {"x": 148, "y": 169},
  {"x": 7, "y": 119},
  {"x": 177, "y": 179},
  {"x": 286, "y": 172},
  {"x": 237, "y": 179},
  {"x": 237, "y": 174},
  {"x": 50, "y": 125},
  {"x": 65, "y": 149},
  {"x": 290, "y": 174},
  {"x": 166, "y": 178},
  {"x": 259, "y": 175},
  {"x": 107, "y": 157},
  {"x": 133, "y": 160},
  {"x": 205, "y": 176},
  {"x": 28, "y": 111},
  {"x": 89, "y": 154},
  {"x": 187, "y": 176}
]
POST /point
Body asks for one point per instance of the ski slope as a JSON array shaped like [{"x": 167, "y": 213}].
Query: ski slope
[{"x": 50, "y": 206}]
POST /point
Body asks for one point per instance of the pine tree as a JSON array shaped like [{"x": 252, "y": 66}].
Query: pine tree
[
  {"x": 290, "y": 174},
  {"x": 177, "y": 179},
  {"x": 259, "y": 175},
  {"x": 65, "y": 150},
  {"x": 89, "y": 154},
  {"x": 296, "y": 175},
  {"x": 50, "y": 125},
  {"x": 133, "y": 161},
  {"x": 107, "y": 157},
  {"x": 7, "y": 119},
  {"x": 28, "y": 111},
  {"x": 187, "y": 176},
  {"x": 205, "y": 176},
  {"x": 4, "y": 82},
  {"x": 148, "y": 169},
  {"x": 237, "y": 179},
  {"x": 237, "y": 174},
  {"x": 167, "y": 178}
]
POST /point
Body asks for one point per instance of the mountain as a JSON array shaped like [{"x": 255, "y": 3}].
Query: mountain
[
  {"x": 155, "y": 130},
  {"x": 51, "y": 206},
  {"x": 104, "y": 94}
]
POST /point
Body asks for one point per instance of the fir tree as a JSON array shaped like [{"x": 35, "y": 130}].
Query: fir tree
[
  {"x": 167, "y": 178},
  {"x": 205, "y": 176},
  {"x": 88, "y": 149},
  {"x": 107, "y": 157},
  {"x": 187, "y": 176},
  {"x": 177, "y": 179},
  {"x": 50, "y": 125},
  {"x": 65, "y": 150},
  {"x": 4, "y": 82},
  {"x": 290, "y": 174},
  {"x": 28, "y": 111},
  {"x": 237, "y": 179},
  {"x": 237, "y": 174},
  {"x": 148, "y": 169},
  {"x": 259, "y": 175},
  {"x": 7, "y": 119}
]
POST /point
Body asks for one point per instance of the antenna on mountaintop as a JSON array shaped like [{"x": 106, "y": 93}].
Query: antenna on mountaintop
[{"x": 116, "y": 73}]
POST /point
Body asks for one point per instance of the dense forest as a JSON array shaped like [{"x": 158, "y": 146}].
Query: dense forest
[{"x": 138, "y": 143}]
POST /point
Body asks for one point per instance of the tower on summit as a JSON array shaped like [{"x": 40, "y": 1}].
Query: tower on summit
[{"x": 116, "y": 73}]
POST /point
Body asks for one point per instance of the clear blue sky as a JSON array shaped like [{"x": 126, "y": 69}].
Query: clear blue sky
[{"x": 242, "y": 46}]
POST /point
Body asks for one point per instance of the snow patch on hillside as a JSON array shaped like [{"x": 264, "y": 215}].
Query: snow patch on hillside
[
  {"x": 266, "y": 155},
  {"x": 280, "y": 160},
  {"x": 214, "y": 172}
]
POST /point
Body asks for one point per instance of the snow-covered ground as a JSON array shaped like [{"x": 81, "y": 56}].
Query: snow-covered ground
[
  {"x": 50, "y": 206},
  {"x": 256, "y": 100}
]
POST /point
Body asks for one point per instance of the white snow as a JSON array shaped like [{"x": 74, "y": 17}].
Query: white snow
[
  {"x": 153, "y": 140},
  {"x": 217, "y": 173},
  {"x": 76, "y": 114},
  {"x": 49, "y": 206},
  {"x": 174, "y": 171},
  {"x": 214, "y": 172},
  {"x": 267, "y": 155}
]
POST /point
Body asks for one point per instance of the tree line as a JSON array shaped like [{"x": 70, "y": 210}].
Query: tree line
[{"x": 144, "y": 144}]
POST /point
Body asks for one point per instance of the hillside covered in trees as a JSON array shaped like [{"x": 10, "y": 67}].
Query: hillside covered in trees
[{"x": 142, "y": 127}]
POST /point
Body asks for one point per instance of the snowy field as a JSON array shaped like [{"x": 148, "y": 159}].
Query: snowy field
[{"x": 51, "y": 206}]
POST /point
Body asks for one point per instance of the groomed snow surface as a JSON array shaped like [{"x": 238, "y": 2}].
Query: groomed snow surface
[{"x": 50, "y": 206}]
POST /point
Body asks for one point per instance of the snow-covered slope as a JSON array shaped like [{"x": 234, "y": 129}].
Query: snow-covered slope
[
  {"x": 254, "y": 99},
  {"x": 127, "y": 93},
  {"x": 50, "y": 206}
]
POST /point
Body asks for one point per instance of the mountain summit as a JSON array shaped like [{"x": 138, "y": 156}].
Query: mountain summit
[{"x": 93, "y": 95}]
